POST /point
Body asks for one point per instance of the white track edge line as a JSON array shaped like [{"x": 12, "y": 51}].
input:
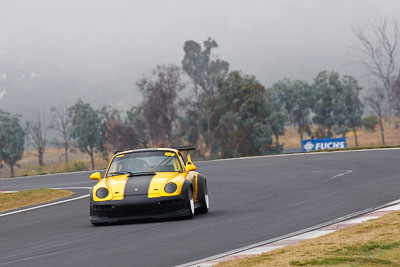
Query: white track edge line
[
  {"x": 302, "y": 154},
  {"x": 305, "y": 230},
  {"x": 43, "y": 206},
  {"x": 71, "y": 187}
]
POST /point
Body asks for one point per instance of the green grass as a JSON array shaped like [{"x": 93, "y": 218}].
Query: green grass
[
  {"x": 11, "y": 201},
  {"x": 367, "y": 248},
  {"x": 373, "y": 243},
  {"x": 341, "y": 260}
]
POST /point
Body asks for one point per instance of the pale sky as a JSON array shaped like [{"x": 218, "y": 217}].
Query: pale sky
[{"x": 96, "y": 50}]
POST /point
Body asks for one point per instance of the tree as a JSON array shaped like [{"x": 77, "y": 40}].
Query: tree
[
  {"x": 336, "y": 104},
  {"x": 119, "y": 133},
  {"x": 87, "y": 129},
  {"x": 205, "y": 73},
  {"x": 61, "y": 123},
  {"x": 376, "y": 101},
  {"x": 376, "y": 49},
  {"x": 326, "y": 89},
  {"x": 369, "y": 122},
  {"x": 191, "y": 127},
  {"x": 248, "y": 121},
  {"x": 136, "y": 119},
  {"x": 396, "y": 95},
  {"x": 36, "y": 132},
  {"x": 12, "y": 139},
  {"x": 352, "y": 109},
  {"x": 295, "y": 97},
  {"x": 161, "y": 94},
  {"x": 276, "y": 119}
]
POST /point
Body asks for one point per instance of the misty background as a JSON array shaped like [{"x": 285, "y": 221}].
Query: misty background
[{"x": 54, "y": 52}]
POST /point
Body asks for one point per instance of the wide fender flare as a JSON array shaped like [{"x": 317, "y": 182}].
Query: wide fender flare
[{"x": 185, "y": 187}]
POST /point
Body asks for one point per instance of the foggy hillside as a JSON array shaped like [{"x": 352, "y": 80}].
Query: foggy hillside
[{"x": 59, "y": 51}]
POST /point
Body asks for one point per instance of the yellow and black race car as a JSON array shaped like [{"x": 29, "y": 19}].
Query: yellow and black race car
[{"x": 144, "y": 183}]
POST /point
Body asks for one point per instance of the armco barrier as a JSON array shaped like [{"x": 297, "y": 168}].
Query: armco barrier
[{"x": 323, "y": 144}]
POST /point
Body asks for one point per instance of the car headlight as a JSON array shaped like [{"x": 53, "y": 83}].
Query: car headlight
[
  {"x": 102, "y": 192},
  {"x": 170, "y": 188}
]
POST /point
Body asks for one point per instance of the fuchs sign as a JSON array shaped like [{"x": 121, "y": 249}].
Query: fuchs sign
[{"x": 323, "y": 144}]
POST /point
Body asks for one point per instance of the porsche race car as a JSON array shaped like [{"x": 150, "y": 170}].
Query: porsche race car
[{"x": 148, "y": 183}]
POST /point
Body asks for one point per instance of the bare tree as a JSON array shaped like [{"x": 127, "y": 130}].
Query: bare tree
[
  {"x": 161, "y": 94},
  {"x": 120, "y": 134},
  {"x": 36, "y": 130},
  {"x": 376, "y": 102},
  {"x": 396, "y": 95},
  {"x": 62, "y": 124},
  {"x": 376, "y": 49}
]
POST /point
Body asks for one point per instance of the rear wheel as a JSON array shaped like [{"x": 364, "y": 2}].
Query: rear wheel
[{"x": 203, "y": 196}]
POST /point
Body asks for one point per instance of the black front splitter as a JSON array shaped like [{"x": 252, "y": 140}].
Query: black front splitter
[{"x": 138, "y": 207}]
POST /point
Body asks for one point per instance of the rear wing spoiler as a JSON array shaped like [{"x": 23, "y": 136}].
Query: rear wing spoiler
[
  {"x": 184, "y": 148},
  {"x": 179, "y": 148}
]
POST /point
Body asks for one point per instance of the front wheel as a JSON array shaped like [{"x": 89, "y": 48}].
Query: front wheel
[{"x": 190, "y": 203}]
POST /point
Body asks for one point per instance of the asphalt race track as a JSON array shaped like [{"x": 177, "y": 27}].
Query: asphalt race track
[{"x": 251, "y": 200}]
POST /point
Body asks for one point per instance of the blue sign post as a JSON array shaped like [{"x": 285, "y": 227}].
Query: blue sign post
[{"x": 324, "y": 144}]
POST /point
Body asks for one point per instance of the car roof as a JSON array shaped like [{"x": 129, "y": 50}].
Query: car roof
[{"x": 147, "y": 150}]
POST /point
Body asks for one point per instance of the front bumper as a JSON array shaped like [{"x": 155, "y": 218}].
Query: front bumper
[{"x": 137, "y": 207}]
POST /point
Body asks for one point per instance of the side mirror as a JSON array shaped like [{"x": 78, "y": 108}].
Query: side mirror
[
  {"x": 95, "y": 176},
  {"x": 189, "y": 160},
  {"x": 190, "y": 167}
]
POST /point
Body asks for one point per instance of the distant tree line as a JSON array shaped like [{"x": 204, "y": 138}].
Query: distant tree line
[
  {"x": 331, "y": 102},
  {"x": 226, "y": 113}
]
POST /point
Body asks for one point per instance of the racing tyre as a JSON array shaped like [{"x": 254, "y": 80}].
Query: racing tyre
[
  {"x": 203, "y": 196},
  {"x": 190, "y": 203}
]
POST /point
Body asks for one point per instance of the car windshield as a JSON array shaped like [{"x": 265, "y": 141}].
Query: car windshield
[{"x": 142, "y": 162}]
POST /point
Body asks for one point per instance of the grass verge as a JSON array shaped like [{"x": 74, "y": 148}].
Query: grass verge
[
  {"x": 70, "y": 166},
  {"x": 373, "y": 243},
  {"x": 10, "y": 201}
]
